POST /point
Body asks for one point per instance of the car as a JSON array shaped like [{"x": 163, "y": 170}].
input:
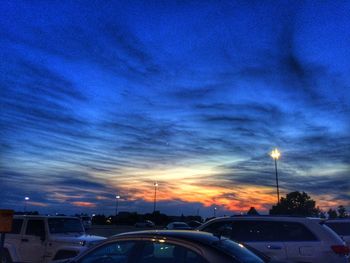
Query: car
[
  {"x": 286, "y": 239},
  {"x": 341, "y": 227},
  {"x": 146, "y": 223},
  {"x": 178, "y": 226},
  {"x": 41, "y": 239},
  {"x": 167, "y": 246}
]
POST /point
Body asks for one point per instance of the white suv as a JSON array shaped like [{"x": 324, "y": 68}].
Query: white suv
[
  {"x": 41, "y": 239},
  {"x": 285, "y": 239}
]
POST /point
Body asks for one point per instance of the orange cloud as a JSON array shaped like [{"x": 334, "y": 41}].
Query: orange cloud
[
  {"x": 84, "y": 204},
  {"x": 37, "y": 204}
]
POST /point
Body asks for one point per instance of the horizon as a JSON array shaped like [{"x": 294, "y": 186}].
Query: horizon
[{"x": 100, "y": 99}]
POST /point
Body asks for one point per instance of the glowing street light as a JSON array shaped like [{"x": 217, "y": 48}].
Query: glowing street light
[
  {"x": 215, "y": 208},
  {"x": 155, "y": 197},
  {"x": 26, "y": 199},
  {"x": 275, "y": 154}
]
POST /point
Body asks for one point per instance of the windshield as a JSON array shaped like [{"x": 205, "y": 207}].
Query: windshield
[
  {"x": 341, "y": 228},
  {"x": 237, "y": 251},
  {"x": 65, "y": 225}
]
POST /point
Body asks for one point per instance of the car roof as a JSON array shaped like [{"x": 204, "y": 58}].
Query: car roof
[{"x": 189, "y": 235}]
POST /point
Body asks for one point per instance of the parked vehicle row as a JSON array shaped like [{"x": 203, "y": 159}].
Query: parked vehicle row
[{"x": 243, "y": 239}]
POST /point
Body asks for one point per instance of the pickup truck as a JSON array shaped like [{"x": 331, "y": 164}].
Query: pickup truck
[{"x": 42, "y": 239}]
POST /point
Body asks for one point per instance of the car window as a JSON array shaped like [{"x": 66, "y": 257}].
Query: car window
[
  {"x": 65, "y": 225},
  {"x": 223, "y": 228},
  {"x": 255, "y": 231},
  {"x": 165, "y": 252},
  {"x": 35, "y": 228},
  {"x": 291, "y": 231},
  {"x": 16, "y": 226},
  {"x": 116, "y": 252},
  {"x": 341, "y": 228}
]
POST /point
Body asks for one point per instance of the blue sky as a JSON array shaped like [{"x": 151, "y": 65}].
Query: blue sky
[{"x": 100, "y": 98}]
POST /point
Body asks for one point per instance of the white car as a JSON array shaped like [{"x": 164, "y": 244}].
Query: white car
[
  {"x": 41, "y": 239},
  {"x": 285, "y": 239},
  {"x": 341, "y": 227}
]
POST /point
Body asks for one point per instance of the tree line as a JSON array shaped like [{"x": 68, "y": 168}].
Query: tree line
[{"x": 300, "y": 204}]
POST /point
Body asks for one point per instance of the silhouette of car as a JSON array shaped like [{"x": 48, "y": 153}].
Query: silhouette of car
[
  {"x": 178, "y": 226},
  {"x": 165, "y": 246},
  {"x": 146, "y": 223},
  {"x": 285, "y": 239}
]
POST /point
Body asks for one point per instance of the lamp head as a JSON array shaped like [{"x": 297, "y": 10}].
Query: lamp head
[{"x": 275, "y": 154}]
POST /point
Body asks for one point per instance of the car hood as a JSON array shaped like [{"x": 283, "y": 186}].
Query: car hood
[{"x": 76, "y": 237}]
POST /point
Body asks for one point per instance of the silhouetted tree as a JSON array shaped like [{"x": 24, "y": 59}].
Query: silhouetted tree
[
  {"x": 295, "y": 203},
  {"x": 332, "y": 213},
  {"x": 341, "y": 211},
  {"x": 252, "y": 212}
]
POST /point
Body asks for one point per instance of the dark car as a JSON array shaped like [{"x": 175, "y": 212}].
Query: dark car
[{"x": 165, "y": 246}]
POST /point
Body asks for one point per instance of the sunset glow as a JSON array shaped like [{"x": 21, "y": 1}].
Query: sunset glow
[{"x": 217, "y": 102}]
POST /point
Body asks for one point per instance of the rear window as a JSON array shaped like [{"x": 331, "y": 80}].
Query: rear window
[
  {"x": 341, "y": 228},
  {"x": 256, "y": 231},
  {"x": 296, "y": 232}
]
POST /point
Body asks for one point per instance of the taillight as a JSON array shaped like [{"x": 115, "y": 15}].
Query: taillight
[{"x": 341, "y": 250}]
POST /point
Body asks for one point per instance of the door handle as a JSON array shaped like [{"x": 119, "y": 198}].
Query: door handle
[
  {"x": 24, "y": 240},
  {"x": 274, "y": 247}
]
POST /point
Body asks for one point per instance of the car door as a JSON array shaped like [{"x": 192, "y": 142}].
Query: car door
[
  {"x": 32, "y": 247},
  {"x": 261, "y": 235},
  {"x": 301, "y": 244},
  {"x": 13, "y": 239}
]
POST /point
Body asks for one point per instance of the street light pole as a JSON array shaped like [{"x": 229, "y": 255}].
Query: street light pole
[
  {"x": 26, "y": 199},
  {"x": 116, "y": 204},
  {"x": 155, "y": 197},
  {"x": 215, "y": 208},
  {"x": 275, "y": 154}
]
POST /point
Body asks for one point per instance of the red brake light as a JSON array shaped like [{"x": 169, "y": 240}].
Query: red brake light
[{"x": 341, "y": 250}]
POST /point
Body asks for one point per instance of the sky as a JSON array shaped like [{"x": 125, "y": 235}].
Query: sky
[{"x": 104, "y": 98}]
